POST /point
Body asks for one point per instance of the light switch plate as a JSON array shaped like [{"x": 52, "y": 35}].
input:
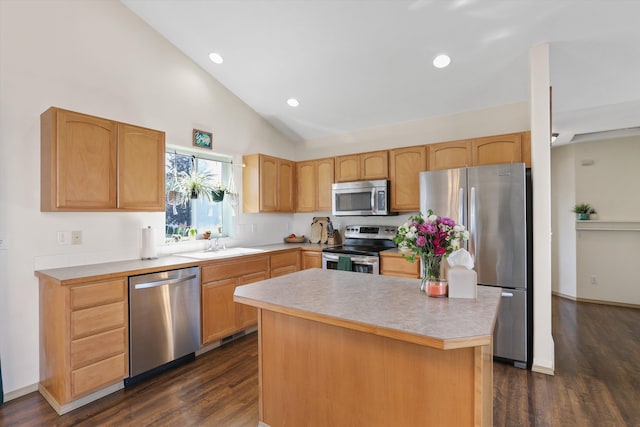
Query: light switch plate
[{"x": 4, "y": 241}]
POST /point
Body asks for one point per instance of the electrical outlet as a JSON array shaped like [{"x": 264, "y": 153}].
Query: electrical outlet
[
  {"x": 76, "y": 237},
  {"x": 64, "y": 237},
  {"x": 594, "y": 280},
  {"x": 4, "y": 241}
]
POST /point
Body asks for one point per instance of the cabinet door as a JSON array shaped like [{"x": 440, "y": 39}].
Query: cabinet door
[
  {"x": 497, "y": 149},
  {"x": 347, "y": 168},
  {"x": 374, "y": 165},
  {"x": 218, "y": 310},
  {"x": 405, "y": 165},
  {"x": 306, "y": 186},
  {"x": 268, "y": 184},
  {"x": 311, "y": 259},
  {"x": 285, "y": 263},
  {"x": 140, "y": 183},
  {"x": 84, "y": 175},
  {"x": 450, "y": 155},
  {"x": 324, "y": 175},
  {"x": 285, "y": 198},
  {"x": 247, "y": 316}
]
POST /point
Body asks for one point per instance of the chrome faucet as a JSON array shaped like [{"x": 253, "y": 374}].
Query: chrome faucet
[{"x": 213, "y": 247}]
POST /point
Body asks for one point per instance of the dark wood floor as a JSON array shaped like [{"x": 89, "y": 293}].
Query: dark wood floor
[{"x": 597, "y": 383}]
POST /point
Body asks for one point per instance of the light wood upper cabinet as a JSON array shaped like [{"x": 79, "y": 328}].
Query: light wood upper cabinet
[
  {"x": 497, "y": 149},
  {"x": 313, "y": 185},
  {"x": 405, "y": 165},
  {"x": 347, "y": 168},
  {"x": 140, "y": 168},
  {"x": 374, "y": 165},
  {"x": 324, "y": 176},
  {"x": 364, "y": 166},
  {"x": 450, "y": 155},
  {"x": 93, "y": 164},
  {"x": 267, "y": 184}
]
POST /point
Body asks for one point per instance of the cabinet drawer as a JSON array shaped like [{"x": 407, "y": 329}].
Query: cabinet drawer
[
  {"x": 285, "y": 259},
  {"x": 98, "y": 375},
  {"x": 398, "y": 266},
  {"x": 97, "y": 319},
  {"x": 235, "y": 268},
  {"x": 97, "y": 347},
  {"x": 98, "y": 294},
  {"x": 283, "y": 270}
]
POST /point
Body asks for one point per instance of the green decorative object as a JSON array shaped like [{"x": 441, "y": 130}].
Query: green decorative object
[{"x": 583, "y": 211}]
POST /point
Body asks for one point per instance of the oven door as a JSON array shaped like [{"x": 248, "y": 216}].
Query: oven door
[{"x": 359, "y": 263}]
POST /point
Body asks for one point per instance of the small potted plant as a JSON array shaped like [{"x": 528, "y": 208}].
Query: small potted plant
[
  {"x": 583, "y": 211},
  {"x": 217, "y": 194}
]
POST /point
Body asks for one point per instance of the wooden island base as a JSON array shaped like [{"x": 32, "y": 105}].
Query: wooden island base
[
  {"x": 318, "y": 374},
  {"x": 338, "y": 348}
]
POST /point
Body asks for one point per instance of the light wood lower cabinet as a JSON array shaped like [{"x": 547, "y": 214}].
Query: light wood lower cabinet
[
  {"x": 311, "y": 259},
  {"x": 394, "y": 264},
  {"x": 220, "y": 316},
  {"x": 285, "y": 263},
  {"x": 83, "y": 338}
]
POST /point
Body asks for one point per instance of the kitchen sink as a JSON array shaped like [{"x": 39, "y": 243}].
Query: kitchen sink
[{"x": 222, "y": 253}]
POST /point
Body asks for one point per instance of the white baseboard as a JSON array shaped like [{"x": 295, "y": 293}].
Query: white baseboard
[
  {"x": 23, "y": 391},
  {"x": 542, "y": 370}
]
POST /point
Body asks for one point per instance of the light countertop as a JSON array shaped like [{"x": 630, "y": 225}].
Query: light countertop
[
  {"x": 103, "y": 271},
  {"x": 388, "y": 306}
]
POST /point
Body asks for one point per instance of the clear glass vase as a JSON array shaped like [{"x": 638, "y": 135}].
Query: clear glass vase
[{"x": 432, "y": 283}]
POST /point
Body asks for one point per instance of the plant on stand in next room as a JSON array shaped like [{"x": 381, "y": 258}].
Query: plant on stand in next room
[
  {"x": 583, "y": 211},
  {"x": 432, "y": 239}
]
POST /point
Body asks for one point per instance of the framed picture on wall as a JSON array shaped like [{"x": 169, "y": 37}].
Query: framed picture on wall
[{"x": 202, "y": 139}]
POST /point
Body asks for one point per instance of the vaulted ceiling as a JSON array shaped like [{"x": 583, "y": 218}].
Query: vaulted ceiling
[{"x": 358, "y": 64}]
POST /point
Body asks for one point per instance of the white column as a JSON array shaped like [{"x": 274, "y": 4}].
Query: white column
[{"x": 543, "y": 346}]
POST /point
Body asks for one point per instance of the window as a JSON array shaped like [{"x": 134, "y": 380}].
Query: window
[{"x": 187, "y": 216}]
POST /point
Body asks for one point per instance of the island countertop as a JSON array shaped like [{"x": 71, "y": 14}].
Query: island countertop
[{"x": 382, "y": 305}]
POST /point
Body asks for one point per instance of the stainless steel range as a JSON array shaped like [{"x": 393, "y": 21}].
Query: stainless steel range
[{"x": 361, "y": 249}]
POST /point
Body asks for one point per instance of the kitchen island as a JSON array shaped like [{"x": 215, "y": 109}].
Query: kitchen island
[{"x": 343, "y": 348}]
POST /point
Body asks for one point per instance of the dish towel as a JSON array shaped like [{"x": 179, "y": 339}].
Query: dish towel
[{"x": 344, "y": 263}]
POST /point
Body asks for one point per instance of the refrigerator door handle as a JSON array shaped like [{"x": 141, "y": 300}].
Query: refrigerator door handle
[
  {"x": 472, "y": 224},
  {"x": 461, "y": 205}
]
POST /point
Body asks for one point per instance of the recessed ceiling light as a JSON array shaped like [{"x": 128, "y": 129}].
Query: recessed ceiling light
[
  {"x": 216, "y": 57},
  {"x": 293, "y": 102},
  {"x": 441, "y": 61}
]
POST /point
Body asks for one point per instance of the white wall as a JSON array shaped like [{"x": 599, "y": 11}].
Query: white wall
[
  {"x": 98, "y": 58},
  {"x": 563, "y": 220},
  {"x": 610, "y": 186},
  {"x": 488, "y": 121}
]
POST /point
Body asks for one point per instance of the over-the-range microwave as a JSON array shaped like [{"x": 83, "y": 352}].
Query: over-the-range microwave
[{"x": 361, "y": 198}]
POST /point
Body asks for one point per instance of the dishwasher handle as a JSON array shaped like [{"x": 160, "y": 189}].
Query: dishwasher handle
[{"x": 165, "y": 282}]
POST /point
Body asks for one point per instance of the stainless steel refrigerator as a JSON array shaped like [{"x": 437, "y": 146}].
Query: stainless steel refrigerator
[{"x": 494, "y": 203}]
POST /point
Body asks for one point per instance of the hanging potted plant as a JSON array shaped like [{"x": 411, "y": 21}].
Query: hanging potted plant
[
  {"x": 583, "y": 211},
  {"x": 194, "y": 185},
  {"x": 217, "y": 194}
]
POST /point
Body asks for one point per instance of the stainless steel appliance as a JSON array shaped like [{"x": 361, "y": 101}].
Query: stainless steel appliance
[
  {"x": 362, "y": 245},
  {"x": 361, "y": 198},
  {"x": 164, "y": 321},
  {"x": 494, "y": 203}
]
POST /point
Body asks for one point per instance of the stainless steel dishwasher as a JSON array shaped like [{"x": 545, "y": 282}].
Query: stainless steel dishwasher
[{"x": 164, "y": 321}]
